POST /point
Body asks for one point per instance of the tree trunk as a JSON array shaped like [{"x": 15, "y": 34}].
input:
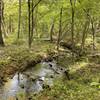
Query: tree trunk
[
  {"x": 10, "y": 22},
  {"x": 32, "y": 22},
  {"x": 19, "y": 21},
  {"x": 1, "y": 38},
  {"x": 51, "y": 31},
  {"x": 3, "y": 21},
  {"x": 86, "y": 25},
  {"x": 72, "y": 2},
  {"x": 72, "y": 22},
  {"x": 93, "y": 33},
  {"x": 29, "y": 24},
  {"x": 60, "y": 30}
]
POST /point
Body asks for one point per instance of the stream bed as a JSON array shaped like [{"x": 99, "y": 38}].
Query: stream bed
[{"x": 32, "y": 80}]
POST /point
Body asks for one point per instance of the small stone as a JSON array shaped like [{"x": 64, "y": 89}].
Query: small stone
[
  {"x": 61, "y": 69},
  {"x": 50, "y": 65},
  {"x": 51, "y": 76},
  {"x": 22, "y": 86},
  {"x": 30, "y": 98},
  {"x": 33, "y": 79}
]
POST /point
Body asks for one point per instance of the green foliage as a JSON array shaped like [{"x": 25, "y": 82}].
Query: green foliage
[{"x": 84, "y": 71}]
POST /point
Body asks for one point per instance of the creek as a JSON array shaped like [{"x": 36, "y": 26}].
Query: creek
[{"x": 33, "y": 80}]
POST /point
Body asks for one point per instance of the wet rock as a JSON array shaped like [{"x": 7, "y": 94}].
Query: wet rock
[
  {"x": 48, "y": 58},
  {"x": 22, "y": 86},
  {"x": 2, "y": 80},
  {"x": 45, "y": 86},
  {"x": 1, "y": 83},
  {"x": 67, "y": 74},
  {"x": 61, "y": 69},
  {"x": 33, "y": 79},
  {"x": 11, "y": 77},
  {"x": 27, "y": 75},
  {"x": 41, "y": 79},
  {"x": 50, "y": 65},
  {"x": 51, "y": 76},
  {"x": 30, "y": 98},
  {"x": 16, "y": 98}
]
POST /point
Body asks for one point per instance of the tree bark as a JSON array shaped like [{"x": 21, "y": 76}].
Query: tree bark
[
  {"x": 60, "y": 30},
  {"x": 19, "y": 21},
  {"x": 72, "y": 22},
  {"x": 93, "y": 33},
  {"x": 29, "y": 25},
  {"x": 51, "y": 31},
  {"x": 32, "y": 22},
  {"x": 86, "y": 25},
  {"x": 1, "y": 38},
  {"x": 10, "y": 24}
]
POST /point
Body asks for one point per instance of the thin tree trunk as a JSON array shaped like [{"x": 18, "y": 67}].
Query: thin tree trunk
[
  {"x": 36, "y": 21},
  {"x": 10, "y": 26},
  {"x": 60, "y": 30},
  {"x": 93, "y": 33},
  {"x": 19, "y": 21},
  {"x": 84, "y": 34},
  {"x": 72, "y": 3},
  {"x": 32, "y": 22},
  {"x": 3, "y": 21},
  {"x": 1, "y": 38},
  {"x": 59, "y": 34},
  {"x": 51, "y": 31},
  {"x": 4, "y": 30},
  {"x": 72, "y": 23},
  {"x": 29, "y": 25}
]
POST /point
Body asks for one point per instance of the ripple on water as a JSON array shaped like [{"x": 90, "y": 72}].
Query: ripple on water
[{"x": 22, "y": 83}]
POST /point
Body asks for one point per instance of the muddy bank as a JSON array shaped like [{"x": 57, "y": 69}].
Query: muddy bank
[
  {"x": 21, "y": 65},
  {"x": 32, "y": 80}
]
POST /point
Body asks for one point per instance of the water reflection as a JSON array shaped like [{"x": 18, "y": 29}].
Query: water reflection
[{"x": 31, "y": 81}]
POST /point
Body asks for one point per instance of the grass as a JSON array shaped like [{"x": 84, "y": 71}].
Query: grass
[
  {"x": 16, "y": 55},
  {"x": 84, "y": 72},
  {"x": 84, "y": 84}
]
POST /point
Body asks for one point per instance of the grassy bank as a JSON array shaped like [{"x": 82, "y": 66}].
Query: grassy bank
[
  {"x": 17, "y": 58},
  {"x": 84, "y": 83},
  {"x": 84, "y": 71}
]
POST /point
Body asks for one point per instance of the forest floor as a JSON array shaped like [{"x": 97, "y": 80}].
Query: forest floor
[
  {"x": 84, "y": 83},
  {"x": 18, "y": 57},
  {"x": 84, "y": 72}
]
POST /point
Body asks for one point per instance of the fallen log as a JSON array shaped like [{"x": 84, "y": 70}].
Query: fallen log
[{"x": 73, "y": 48}]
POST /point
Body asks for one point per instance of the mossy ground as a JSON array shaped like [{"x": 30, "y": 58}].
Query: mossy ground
[
  {"x": 84, "y": 84},
  {"x": 84, "y": 72},
  {"x": 16, "y": 54},
  {"x": 85, "y": 78}
]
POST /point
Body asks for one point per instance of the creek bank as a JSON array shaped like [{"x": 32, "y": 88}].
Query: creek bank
[
  {"x": 33, "y": 80},
  {"x": 19, "y": 66}
]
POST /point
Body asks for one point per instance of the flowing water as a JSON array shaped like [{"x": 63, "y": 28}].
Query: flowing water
[{"x": 31, "y": 81}]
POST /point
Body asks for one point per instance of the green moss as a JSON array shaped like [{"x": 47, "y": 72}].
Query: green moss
[{"x": 16, "y": 57}]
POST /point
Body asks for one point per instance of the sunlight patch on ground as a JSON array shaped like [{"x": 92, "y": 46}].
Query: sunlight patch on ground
[{"x": 78, "y": 66}]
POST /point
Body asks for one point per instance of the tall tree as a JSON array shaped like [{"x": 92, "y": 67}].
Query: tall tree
[
  {"x": 93, "y": 32},
  {"x": 3, "y": 21},
  {"x": 10, "y": 24},
  {"x": 29, "y": 24},
  {"x": 51, "y": 31},
  {"x": 1, "y": 38},
  {"x": 60, "y": 30},
  {"x": 32, "y": 21},
  {"x": 19, "y": 21},
  {"x": 85, "y": 29},
  {"x": 72, "y": 2},
  {"x": 31, "y": 8}
]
